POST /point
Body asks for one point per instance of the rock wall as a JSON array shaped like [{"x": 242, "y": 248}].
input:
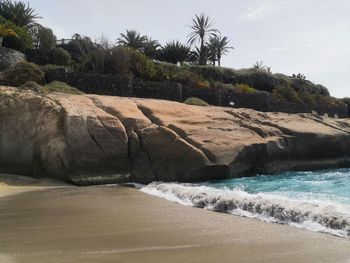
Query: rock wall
[
  {"x": 9, "y": 57},
  {"x": 127, "y": 86},
  {"x": 92, "y": 139}
]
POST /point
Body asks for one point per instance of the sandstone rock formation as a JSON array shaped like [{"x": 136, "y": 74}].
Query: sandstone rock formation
[{"x": 91, "y": 139}]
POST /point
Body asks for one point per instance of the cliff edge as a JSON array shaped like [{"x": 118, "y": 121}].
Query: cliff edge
[{"x": 91, "y": 139}]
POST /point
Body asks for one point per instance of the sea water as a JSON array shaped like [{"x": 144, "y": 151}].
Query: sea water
[{"x": 318, "y": 200}]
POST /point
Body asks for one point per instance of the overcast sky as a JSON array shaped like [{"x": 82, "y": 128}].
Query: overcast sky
[{"x": 291, "y": 36}]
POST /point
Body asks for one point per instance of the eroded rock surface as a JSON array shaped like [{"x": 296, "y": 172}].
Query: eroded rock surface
[{"x": 91, "y": 139}]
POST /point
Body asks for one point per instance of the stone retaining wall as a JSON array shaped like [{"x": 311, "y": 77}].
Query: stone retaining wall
[{"x": 127, "y": 86}]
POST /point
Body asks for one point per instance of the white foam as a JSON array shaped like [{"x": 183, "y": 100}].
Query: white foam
[{"x": 315, "y": 215}]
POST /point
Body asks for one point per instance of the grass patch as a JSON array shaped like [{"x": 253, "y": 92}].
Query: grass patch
[
  {"x": 57, "y": 86},
  {"x": 20, "y": 73},
  {"x": 195, "y": 101},
  {"x": 32, "y": 85}
]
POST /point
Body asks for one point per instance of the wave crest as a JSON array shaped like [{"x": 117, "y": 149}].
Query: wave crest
[{"x": 314, "y": 215}]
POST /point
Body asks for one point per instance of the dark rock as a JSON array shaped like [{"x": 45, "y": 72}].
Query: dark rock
[{"x": 9, "y": 57}]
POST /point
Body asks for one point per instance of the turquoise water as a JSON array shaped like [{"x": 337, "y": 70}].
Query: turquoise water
[
  {"x": 317, "y": 201},
  {"x": 331, "y": 185}
]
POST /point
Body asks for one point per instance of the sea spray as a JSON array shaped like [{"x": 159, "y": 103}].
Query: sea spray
[{"x": 292, "y": 198}]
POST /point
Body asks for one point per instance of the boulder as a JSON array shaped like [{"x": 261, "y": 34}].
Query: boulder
[{"x": 9, "y": 57}]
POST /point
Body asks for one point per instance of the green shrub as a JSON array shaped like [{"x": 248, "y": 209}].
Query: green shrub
[
  {"x": 307, "y": 98},
  {"x": 195, "y": 101},
  {"x": 207, "y": 72},
  {"x": 165, "y": 71},
  {"x": 142, "y": 66},
  {"x": 125, "y": 60},
  {"x": 51, "y": 67},
  {"x": 61, "y": 57},
  {"x": 22, "y": 72},
  {"x": 121, "y": 60},
  {"x": 220, "y": 85},
  {"x": 97, "y": 61},
  {"x": 23, "y": 36},
  {"x": 244, "y": 88},
  {"x": 286, "y": 93},
  {"x": 257, "y": 79},
  {"x": 79, "y": 48},
  {"x": 14, "y": 43},
  {"x": 57, "y": 86},
  {"x": 187, "y": 78},
  {"x": 327, "y": 101}
]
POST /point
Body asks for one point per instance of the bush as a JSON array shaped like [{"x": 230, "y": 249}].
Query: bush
[
  {"x": 220, "y": 85},
  {"x": 207, "y": 72},
  {"x": 244, "y": 88},
  {"x": 22, "y": 35},
  {"x": 99, "y": 61},
  {"x": 61, "y": 57},
  {"x": 79, "y": 48},
  {"x": 6, "y": 31},
  {"x": 195, "y": 101},
  {"x": 258, "y": 79},
  {"x": 142, "y": 66},
  {"x": 50, "y": 67},
  {"x": 126, "y": 60},
  {"x": 286, "y": 93},
  {"x": 307, "y": 98},
  {"x": 187, "y": 78},
  {"x": 13, "y": 42},
  {"x": 327, "y": 101},
  {"x": 22, "y": 72},
  {"x": 165, "y": 71},
  {"x": 121, "y": 60},
  {"x": 57, "y": 86}
]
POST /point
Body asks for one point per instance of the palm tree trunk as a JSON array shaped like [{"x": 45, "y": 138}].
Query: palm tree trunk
[
  {"x": 201, "y": 55},
  {"x": 219, "y": 60}
]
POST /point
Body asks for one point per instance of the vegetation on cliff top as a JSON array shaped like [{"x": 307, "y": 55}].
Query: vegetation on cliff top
[{"x": 192, "y": 64}]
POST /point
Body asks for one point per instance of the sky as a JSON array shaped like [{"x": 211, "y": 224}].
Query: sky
[{"x": 311, "y": 37}]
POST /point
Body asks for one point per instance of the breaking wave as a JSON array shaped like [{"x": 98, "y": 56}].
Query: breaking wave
[{"x": 311, "y": 210}]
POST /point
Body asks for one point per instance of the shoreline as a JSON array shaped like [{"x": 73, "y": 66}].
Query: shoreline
[
  {"x": 122, "y": 224},
  {"x": 11, "y": 184}
]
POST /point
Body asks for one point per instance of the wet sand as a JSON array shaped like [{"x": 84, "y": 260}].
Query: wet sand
[
  {"x": 11, "y": 184},
  {"x": 118, "y": 224}
]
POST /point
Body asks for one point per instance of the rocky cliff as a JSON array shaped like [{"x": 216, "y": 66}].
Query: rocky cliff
[{"x": 91, "y": 139}]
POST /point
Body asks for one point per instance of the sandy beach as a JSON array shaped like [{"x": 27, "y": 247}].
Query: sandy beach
[{"x": 119, "y": 224}]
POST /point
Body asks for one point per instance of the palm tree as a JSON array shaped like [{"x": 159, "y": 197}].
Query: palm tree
[
  {"x": 202, "y": 29},
  {"x": 132, "y": 39},
  {"x": 174, "y": 51},
  {"x": 20, "y": 13},
  {"x": 213, "y": 50},
  {"x": 150, "y": 47},
  {"x": 220, "y": 47},
  {"x": 197, "y": 55}
]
